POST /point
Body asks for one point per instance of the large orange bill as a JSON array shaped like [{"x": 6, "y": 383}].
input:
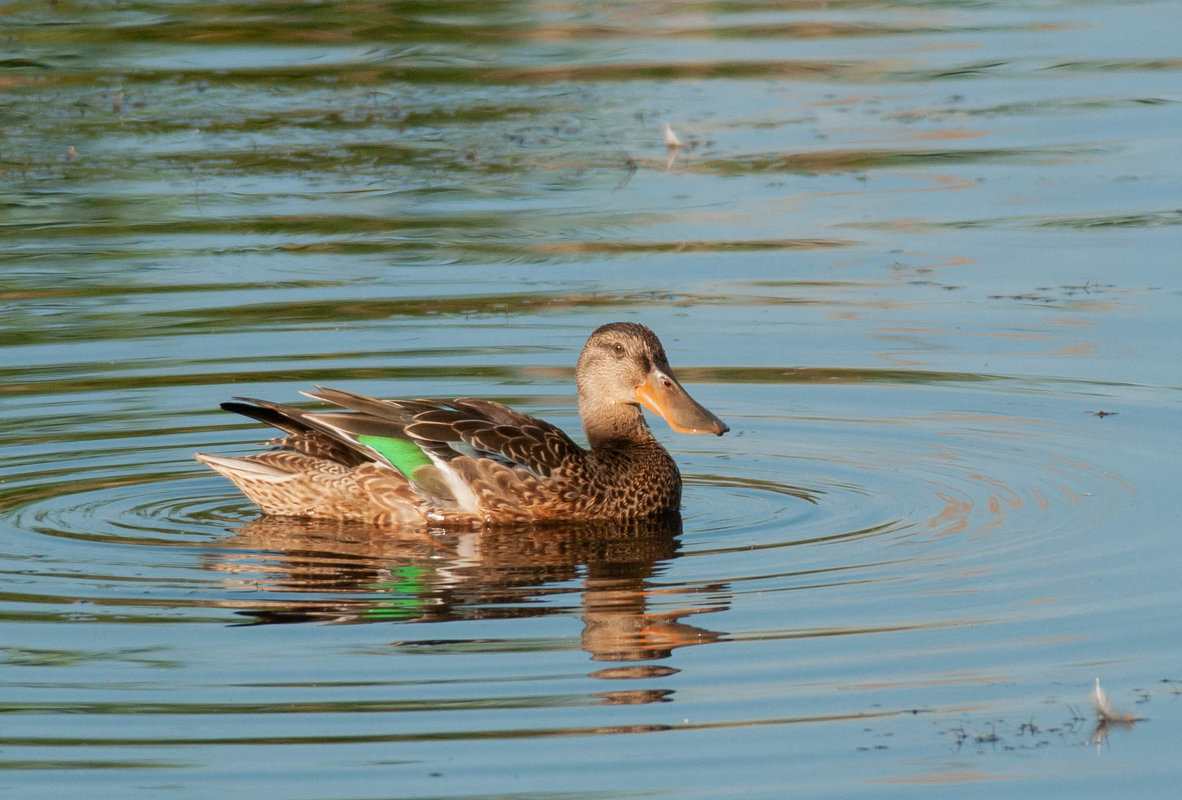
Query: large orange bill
[{"x": 663, "y": 395}]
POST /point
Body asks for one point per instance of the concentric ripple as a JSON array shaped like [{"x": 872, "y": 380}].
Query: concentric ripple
[
  {"x": 928, "y": 498},
  {"x": 942, "y": 503}
]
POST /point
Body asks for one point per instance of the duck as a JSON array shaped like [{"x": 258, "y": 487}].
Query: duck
[{"x": 475, "y": 463}]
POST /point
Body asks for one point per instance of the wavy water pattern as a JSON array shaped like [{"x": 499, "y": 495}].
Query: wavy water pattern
[{"x": 921, "y": 257}]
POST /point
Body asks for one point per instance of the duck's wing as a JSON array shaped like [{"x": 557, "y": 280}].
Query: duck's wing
[
  {"x": 464, "y": 456},
  {"x": 354, "y": 439},
  {"x": 443, "y": 430}
]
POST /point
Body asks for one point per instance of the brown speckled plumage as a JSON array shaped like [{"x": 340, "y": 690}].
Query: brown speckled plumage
[{"x": 475, "y": 462}]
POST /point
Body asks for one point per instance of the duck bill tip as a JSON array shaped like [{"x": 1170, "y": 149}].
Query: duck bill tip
[
  {"x": 717, "y": 427},
  {"x": 663, "y": 395}
]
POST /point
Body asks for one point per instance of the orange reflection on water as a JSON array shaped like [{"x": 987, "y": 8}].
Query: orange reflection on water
[{"x": 964, "y": 776}]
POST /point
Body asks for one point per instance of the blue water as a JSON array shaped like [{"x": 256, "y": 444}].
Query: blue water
[{"x": 922, "y": 258}]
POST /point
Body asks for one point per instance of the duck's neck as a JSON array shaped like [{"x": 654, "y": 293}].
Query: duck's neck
[{"x": 605, "y": 422}]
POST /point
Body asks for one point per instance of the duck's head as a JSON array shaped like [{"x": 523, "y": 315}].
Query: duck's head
[{"x": 622, "y": 367}]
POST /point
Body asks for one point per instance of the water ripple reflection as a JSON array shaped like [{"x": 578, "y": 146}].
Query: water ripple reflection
[
  {"x": 932, "y": 500},
  {"x": 922, "y": 257}
]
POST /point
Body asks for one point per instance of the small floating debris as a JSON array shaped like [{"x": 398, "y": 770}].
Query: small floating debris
[
  {"x": 671, "y": 139},
  {"x": 1102, "y": 414},
  {"x": 1108, "y": 716},
  {"x": 630, "y": 166},
  {"x": 1105, "y": 711}
]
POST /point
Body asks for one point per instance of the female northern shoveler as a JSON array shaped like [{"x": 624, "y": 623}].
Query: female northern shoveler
[{"x": 475, "y": 462}]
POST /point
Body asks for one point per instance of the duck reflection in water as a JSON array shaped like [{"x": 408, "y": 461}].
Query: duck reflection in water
[{"x": 353, "y": 573}]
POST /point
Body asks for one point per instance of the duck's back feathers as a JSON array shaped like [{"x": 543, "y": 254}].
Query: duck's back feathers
[
  {"x": 456, "y": 460},
  {"x": 447, "y": 429}
]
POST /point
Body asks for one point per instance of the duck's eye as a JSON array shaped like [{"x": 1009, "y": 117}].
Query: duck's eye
[{"x": 619, "y": 348}]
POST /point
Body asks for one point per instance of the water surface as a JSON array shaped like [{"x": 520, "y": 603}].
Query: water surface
[{"x": 923, "y": 259}]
